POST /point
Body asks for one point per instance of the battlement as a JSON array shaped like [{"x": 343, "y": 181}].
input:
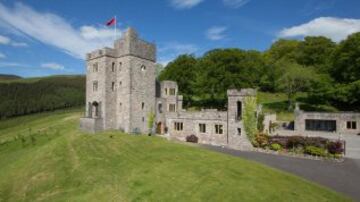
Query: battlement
[
  {"x": 242, "y": 92},
  {"x": 128, "y": 45}
]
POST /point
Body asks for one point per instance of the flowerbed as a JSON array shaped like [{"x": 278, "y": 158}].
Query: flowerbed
[{"x": 314, "y": 146}]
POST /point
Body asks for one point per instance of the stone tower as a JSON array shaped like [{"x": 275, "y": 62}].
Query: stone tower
[
  {"x": 120, "y": 86},
  {"x": 236, "y": 133}
]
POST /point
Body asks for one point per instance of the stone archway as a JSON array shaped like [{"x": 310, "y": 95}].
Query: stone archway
[{"x": 95, "y": 110}]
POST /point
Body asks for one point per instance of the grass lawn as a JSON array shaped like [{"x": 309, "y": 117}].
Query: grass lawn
[{"x": 59, "y": 163}]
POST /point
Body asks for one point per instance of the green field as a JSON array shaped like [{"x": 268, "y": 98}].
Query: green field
[
  {"x": 55, "y": 162},
  {"x": 278, "y": 103}
]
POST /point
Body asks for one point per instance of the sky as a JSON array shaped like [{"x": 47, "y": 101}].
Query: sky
[{"x": 47, "y": 37}]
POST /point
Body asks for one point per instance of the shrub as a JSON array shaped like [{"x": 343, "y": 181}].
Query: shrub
[
  {"x": 260, "y": 122},
  {"x": 275, "y": 147},
  {"x": 295, "y": 141},
  {"x": 335, "y": 147},
  {"x": 192, "y": 138},
  {"x": 316, "y": 141},
  {"x": 281, "y": 140},
  {"x": 262, "y": 140},
  {"x": 315, "y": 151}
]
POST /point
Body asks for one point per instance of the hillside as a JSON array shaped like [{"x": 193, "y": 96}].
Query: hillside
[
  {"x": 8, "y": 77},
  {"x": 46, "y": 158},
  {"x": 32, "y": 95}
]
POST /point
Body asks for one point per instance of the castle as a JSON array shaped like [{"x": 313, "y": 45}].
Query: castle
[{"x": 122, "y": 93}]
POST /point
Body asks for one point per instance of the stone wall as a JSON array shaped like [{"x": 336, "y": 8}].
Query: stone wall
[
  {"x": 191, "y": 121},
  {"x": 341, "y": 119}
]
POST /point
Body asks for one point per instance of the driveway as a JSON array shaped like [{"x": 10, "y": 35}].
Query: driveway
[{"x": 342, "y": 177}]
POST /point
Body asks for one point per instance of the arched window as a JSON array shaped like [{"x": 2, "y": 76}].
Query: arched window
[
  {"x": 113, "y": 67},
  {"x": 143, "y": 67}
]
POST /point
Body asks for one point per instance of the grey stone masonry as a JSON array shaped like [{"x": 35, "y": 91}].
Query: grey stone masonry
[
  {"x": 335, "y": 122},
  {"x": 120, "y": 85},
  {"x": 122, "y": 91}
]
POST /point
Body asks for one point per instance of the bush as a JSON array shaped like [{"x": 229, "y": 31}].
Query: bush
[
  {"x": 262, "y": 140},
  {"x": 335, "y": 147},
  {"x": 295, "y": 141},
  {"x": 192, "y": 138},
  {"x": 281, "y": 140},
  {"x": 316, "y": 141},
  {"x": 315, "y": 151},
  {"x": 275, "y": 147}
]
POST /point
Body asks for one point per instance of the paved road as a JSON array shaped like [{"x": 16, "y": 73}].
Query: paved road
[{"x": 343, "y": 177}]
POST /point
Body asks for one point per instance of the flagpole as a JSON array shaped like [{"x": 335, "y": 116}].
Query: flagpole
[{"x": 115, "y": 26}]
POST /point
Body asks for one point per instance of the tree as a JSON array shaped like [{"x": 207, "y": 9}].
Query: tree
[
  {"x": 183, "y": 71},
  {"x": 346, "y": 60},
  {"x": 295, "y": 79},
  {"x": 316, "y": 52},
  {"x": 221, "y": 69},
  {"x": 283, "y": 49}
]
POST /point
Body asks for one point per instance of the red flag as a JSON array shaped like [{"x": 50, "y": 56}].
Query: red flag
[{"x": 111, "y": 22}]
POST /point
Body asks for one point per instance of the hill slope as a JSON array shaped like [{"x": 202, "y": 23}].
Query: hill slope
[
  {"x": 8, "y": 77},
  {"x": 57, "y": 163},
  {"x": 25, "y": 96}
]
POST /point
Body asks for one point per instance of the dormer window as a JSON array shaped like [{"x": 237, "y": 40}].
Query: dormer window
[{"x": 143, "y": 67}]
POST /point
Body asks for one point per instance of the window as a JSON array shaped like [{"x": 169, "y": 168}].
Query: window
[
  {"x": 202, "y": 128},
  {"x": 120, "y": 83},
  {"x": 239, "y": 131},
  {"x": 351, "y": 125},
  {"x": 218, "y": 129},
  {"x": 172, "y": 91},
  {"x": 160, "y": 107},
  {"x": 143, "y": 67},
  {"x": 113, "y": 86},
  {"x": 113, "y": 67},
  {"x": 95, "y": 86},
  {"x": 172, "y": 108},
  {"x": 165, "y": 91},
  {"x": 178, "y": 126},
  {"x": 95, "y": 67},
  {"x": 142, "y": 105},
  {"x": 120, "y": 64},
  {"x": 238, "y": 111},
  {"x": 143, "y": 119}
]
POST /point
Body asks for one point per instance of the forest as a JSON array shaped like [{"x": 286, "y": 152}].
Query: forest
[
  {"x": 328, "y": 72},
  {"x": 26, "y": 96}
]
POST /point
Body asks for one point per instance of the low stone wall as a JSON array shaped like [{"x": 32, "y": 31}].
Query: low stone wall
[{"x": 91, "y": 125}]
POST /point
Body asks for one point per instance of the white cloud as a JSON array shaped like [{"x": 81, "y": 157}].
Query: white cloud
[
  {"x": 19, "y": 44},
  {"x": 53, "y": 66},
  {"x": 4, "y": 40},
  {"x": 235, "y": 3},
  {"x": 216, "y": 33},
  {"x": 54, "y": 30},
  {"x": 7, "y": 41},
  {"x": 335, "y": 28},
  {"x": 11, "y": 64},
  {"x": 184, "y": 4},
  {"x": 2, "y": 56}
]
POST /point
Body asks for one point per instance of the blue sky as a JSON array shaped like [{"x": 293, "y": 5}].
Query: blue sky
[{"x": 39, "y": 37}]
